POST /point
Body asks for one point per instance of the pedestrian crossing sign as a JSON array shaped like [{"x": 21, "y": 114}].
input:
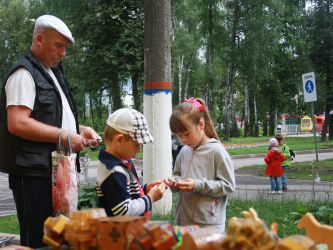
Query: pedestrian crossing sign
[{"x": 309, "y": 87}]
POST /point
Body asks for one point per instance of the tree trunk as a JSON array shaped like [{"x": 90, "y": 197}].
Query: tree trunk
[
  {"x": 91, "y": 110},
  {"x": 116, "y": 93},
  {"x": 236, "y": 132},
  {"x": 211, "y": 60},
  {"x": 231, "y": 66},
  {"x": 180, "y": 68},
  {"x": 271, "y": 112},
  {"x": 246, "y": 111},
  {"x": 135, "y": 92},
  {"x": 99, "y": 108},
  {"x": 256, "y": 127},
  {"x": 326, "y": 122},
  {"x": 327, "y": 107},
  {"x": 84, "y": 108},
  {"x": 228, "y": 103},
  {"x": 264, "y": 127},
  {"x": 188, "y": 77},
  {"x": 271, "y": 119}
]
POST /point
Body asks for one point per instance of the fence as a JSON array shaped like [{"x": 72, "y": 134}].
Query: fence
[{"x": 293, "y": 129}]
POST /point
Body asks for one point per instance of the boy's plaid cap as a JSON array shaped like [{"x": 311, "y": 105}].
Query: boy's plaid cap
[{"x": 131, "y": 122}]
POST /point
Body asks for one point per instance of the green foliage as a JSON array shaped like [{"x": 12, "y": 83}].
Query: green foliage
[
  {"x": 267, "y": 209},
  {"x": 88, "y": 197},
  {"x": 220, "y": 133},
  {"x": 88, "y": 192},
  {"x": 265, "y": 43},
  {"x": 322, "y": 211}
]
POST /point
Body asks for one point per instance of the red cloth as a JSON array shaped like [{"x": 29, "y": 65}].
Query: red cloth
[
  {"x": 273, "y": 159},
  {"x": 146, "y": 214}
]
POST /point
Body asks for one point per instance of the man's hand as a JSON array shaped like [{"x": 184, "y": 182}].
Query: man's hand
[
  {"x": 89, "y": 133},
  {"x": 77, "y": 142}
]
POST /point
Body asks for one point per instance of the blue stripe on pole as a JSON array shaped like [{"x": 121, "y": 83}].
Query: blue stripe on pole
[{"x": 155, "y": 91}]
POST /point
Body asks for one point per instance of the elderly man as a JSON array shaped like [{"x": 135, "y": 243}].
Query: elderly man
[{"x": 35, "y": 101}]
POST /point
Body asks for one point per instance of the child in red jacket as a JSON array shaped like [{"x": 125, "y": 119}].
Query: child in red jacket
[{"x": 274, "y": 170}]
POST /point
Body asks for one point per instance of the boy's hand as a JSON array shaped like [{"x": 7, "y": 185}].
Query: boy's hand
[
  {"x": 156, "y": 192},
  {"x": 152, "y": 184},
  {"x": 186, "y": 185}
]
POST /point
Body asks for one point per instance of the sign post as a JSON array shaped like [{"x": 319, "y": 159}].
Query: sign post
[{"x": 310, "y": 95}]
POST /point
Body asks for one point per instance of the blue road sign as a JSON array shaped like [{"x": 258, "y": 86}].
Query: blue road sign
[{"x": 309, "y": 86}]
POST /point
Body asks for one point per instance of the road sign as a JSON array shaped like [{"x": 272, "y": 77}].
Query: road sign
[{"x": 309, "y": 87}]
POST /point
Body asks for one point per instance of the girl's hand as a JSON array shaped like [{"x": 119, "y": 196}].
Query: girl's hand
[
  {"x": 171, "y": 182},
  {"x": 186, "y": 185},
  {"x": 156, "y": 192}
]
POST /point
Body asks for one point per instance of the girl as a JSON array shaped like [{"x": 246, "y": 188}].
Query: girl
[
  {"x": 285, "y": 151},
  {"x": 274, "y": 170},
  {"x": 204, "y": 172}
]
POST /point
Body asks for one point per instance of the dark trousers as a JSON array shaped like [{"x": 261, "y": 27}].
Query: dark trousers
[{"x": 33, "y": 199}]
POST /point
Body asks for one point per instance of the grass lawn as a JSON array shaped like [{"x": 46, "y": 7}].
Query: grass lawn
[
  {"x": 297, "y": 170},
  {"x": 258, "y": 145},
  {"x": 294, "y": 143},
  {"x": 9, "y": 224}
]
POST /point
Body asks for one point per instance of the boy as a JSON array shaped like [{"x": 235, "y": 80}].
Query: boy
[
  {"x": 285, "y": 151},
  {"x": 118, "y": 187}
]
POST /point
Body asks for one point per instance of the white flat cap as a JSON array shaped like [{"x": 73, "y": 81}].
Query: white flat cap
[{"x": 52, "y": 22}]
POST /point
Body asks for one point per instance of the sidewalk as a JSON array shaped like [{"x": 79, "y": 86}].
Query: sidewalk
[{"x": 247, "y": 187}]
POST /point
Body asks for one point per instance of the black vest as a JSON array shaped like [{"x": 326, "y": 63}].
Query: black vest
[{"x": 30, "y": 158}]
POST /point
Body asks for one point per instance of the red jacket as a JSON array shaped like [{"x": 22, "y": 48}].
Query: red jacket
[{"x": 273, "y": 159}]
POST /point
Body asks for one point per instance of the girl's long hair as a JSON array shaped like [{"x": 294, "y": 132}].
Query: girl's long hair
[{"x": 187, "y": 112}]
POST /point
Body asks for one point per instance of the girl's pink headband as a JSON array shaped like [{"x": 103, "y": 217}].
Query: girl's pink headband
[{"x": 196, "y": 103}]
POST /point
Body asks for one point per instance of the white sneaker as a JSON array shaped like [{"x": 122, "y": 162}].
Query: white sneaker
[
  {"x": 271, "y": 192},
  {"x": 279, "y": 192}
]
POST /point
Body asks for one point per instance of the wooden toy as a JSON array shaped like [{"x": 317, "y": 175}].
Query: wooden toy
[
  {"x": 159, "y": 236},
  {"x": 120, "y": 232},
  {"x": 248, "y": 233},
  {"x": 251, "y": 214},
  {"x": 296, "y": 242},
  {"x": 201, "y": 239},
  {"x": 181, "y": 230},
  {"x": 53, "y": 230},
  {"x": 80, "y": 231},
  {"x": 92, "y": 230},
  {"x": 316, "y": 231}
]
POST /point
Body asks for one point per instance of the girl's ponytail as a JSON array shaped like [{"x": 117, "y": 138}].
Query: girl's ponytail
[{"x": 209, "y": 126}]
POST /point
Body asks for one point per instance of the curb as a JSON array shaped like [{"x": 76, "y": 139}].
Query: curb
[
  {"x": 235, "y": 157},
  {"x": 15, "y": 241}
]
